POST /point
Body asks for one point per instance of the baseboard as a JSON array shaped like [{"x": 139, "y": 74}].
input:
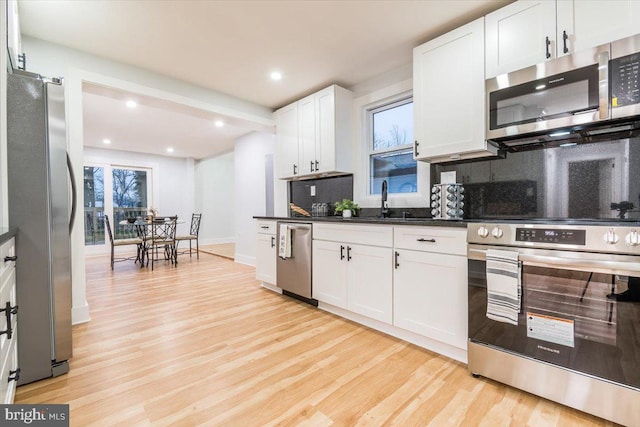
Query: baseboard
[
  {"x": 217, "y": 241},
  {"x": 80, "y": 314},
  {"x": 245, "y": 259},
  {"x": 271, "y": 287},
  {"x": 430, "y": 344}
]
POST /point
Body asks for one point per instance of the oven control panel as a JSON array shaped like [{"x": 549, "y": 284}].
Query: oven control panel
[{"x": 551, "y": 235}]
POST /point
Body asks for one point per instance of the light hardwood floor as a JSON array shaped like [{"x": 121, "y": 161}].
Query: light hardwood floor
[{"x": 204, "y": 344}]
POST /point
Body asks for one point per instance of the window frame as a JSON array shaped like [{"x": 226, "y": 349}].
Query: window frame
[
  {"x": 369, "y": 123},
  {"x": 383, "y": 94},
  {"x": 108, "y": 188}
]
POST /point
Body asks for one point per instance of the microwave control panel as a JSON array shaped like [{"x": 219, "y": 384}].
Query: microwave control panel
[
  {"x": 551, "y": 235},
  {"x": 625, "y": 80}
]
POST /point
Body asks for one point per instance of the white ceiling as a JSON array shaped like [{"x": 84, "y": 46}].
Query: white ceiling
[{"x": 232, "y": 46}]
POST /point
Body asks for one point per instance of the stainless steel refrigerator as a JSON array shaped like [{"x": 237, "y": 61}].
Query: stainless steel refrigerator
[{"x": 41, "y": 207}]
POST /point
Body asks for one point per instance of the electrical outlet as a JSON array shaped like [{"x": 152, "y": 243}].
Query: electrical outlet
[{"x": 313, "y": 190}]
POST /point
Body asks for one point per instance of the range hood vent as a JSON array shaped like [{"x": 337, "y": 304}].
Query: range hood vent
[{"x": 607, "y": 131}]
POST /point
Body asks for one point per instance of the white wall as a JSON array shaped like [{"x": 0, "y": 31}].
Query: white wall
[
  {"x": 77, "y": 68},
  {"x": 215, "y": 190},
  {"x": 250, "y": 185},
  {"x": 172, "y": 180},
  {"x": 4, "y": 206}
]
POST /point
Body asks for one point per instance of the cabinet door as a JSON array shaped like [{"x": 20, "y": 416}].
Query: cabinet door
[
  {"x": 266, "y": 258},
  {"x": 516, "y": 36},
  {"x": 326, "y": 130},
  {"x": 307, "y": 134},
  {"x": 370, "y": 282},
  {"x": 589, "y": 23},
  {"x": 430, "y": 296},
  {"x": 287, "y": 140},
  {"x": 448, "y": 94},
  {"x": 330, "y": 273}
]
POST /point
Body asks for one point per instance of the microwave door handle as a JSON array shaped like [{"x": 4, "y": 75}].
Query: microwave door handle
[{"x": 603, "y": 84}]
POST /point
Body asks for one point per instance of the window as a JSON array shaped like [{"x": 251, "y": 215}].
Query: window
[
  {"x": 129, "y": 197},
  {"x": 391, "y": 148}
]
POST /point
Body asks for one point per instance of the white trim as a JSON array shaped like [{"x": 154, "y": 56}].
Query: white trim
[
  {"x": 360, "y": 149},
  {"x": 271, "y": 287},
  {"x": 245, "y": 259},
  {"x": 80, "y": 314},
  {"x": 217, "y": 241}
]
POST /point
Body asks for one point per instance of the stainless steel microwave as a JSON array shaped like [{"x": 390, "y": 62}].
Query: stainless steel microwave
[{"x": 572, "y": 95}]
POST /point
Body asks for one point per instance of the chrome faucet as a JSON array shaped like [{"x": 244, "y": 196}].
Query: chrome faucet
[{"x": 384, "y": 208}]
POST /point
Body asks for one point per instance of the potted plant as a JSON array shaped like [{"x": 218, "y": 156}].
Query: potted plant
[{"x": 346, "y": 207}]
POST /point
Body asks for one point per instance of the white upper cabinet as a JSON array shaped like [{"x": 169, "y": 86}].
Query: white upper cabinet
[
  {"x": 448, "y": 96},
  {"x": 287, "y": 140},
  {"x": 519, "y": 35},
  {"x": 526, "y": 33},
  {"x": 589, "y": 23},
  {"x": 316, "y": 139}
]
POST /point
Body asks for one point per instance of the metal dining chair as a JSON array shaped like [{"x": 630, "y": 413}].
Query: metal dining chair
[
  {"x": 123, "y": 242},
  {"x": 194, "y": 231},
  {"x": 162, "y": 239}
]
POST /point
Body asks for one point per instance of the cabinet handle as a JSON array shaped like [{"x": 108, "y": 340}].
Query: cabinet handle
[
  {"x": 273, "y": 241},
  {"x": 548, "y": 43},
  {"x": 396, "y": 256},
  {"x": 348, "y": 253},
  {"x": 415, "y": 148},
  {"x": 14, "y": 375},
  {"x": 295, "y": 169},
  {"x": 341, "y": 252},
  {"x": 10, "y": 258},
  {"x": 8, "y": 311},
  {"x": 317, "y": 168},
  {"x": 311, "y": 166},
  {"x": 565, "y": 49},
  {"x": 264, "y": 227},
  {"x": 426, "y": 240}
]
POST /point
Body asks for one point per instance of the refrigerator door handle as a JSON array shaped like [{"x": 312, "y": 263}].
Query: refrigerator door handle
[{"x": 74, "y": 195}]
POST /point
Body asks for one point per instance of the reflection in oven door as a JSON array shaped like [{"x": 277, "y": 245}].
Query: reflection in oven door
[{"x": 568, "y": 318}]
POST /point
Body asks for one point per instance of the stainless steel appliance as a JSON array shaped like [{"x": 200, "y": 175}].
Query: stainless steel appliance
[
  {"x": 587, "y": 96},
  {"x": 576, "y": 340},
  {"x": 293, "y": 273},
  {"x": 42, "y": 207}
]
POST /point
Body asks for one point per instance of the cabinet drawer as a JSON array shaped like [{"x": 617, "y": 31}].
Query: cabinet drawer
[
  {"x": 381, "y": 235},
  {"x": 442, "y": 240},
  {"x": 266, "y": 227}
]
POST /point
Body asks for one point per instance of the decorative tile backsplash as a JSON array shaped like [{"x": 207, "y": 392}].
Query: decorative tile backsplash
[{"x": 326, "y": 190}]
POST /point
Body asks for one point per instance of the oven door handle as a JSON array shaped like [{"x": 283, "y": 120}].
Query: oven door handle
[{"x": 610, "y": 266}]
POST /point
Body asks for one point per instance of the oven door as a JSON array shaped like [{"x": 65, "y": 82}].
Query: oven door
[{"x": 580, "y": 311}]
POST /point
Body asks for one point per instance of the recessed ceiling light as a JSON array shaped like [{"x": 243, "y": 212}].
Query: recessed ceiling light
[
  {"x": 276, "y": 75},
  {"x": 132, "y": 104},
  {"x": 106, "y": 141},
  {"x": 219, "y": 123},
  {"x": 169, "y": 150}
]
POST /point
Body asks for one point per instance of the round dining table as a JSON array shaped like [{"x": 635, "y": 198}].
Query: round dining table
[{"x": 144, "y": 228}]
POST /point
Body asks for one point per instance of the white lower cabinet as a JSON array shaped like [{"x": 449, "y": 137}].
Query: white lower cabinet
[
  {"x": 330, "y": 273},
  {"x": 266, "y": 252},
  {"x": 9, "y": 371},
  {"x": 352, "y": 269},
  {"x": 354, "y": 277},
  {"x": 370, "y": 290},
  {"x": 430, "y": 295}
]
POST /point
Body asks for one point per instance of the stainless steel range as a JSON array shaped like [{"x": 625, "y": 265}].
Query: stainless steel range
[{"x": 554, "y": 309}]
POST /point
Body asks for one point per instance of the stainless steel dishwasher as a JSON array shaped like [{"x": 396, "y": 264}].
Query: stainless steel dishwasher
[{"x": 294, "y": 272}]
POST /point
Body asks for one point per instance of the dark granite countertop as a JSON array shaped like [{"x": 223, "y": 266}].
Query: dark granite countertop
[
  {"x": 7, "y": 233},
  {"x": 372, "y": 220}
]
